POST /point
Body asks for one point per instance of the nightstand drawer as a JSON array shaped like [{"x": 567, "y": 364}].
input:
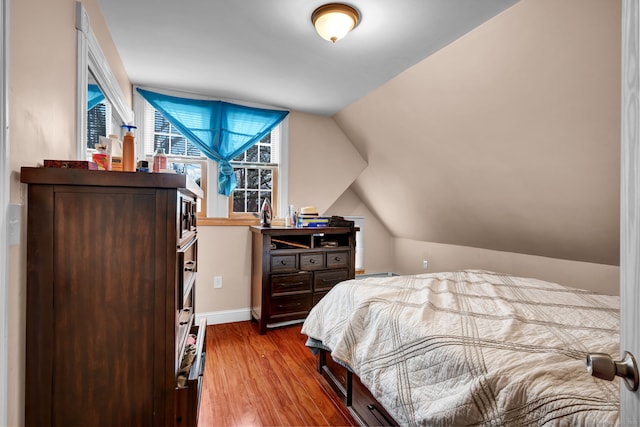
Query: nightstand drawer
[
  {"x": 314, "y": 261},
  {"x": 337, "y": 259},
  {"x": 283, "y": 263},
  {"x": 324, "y": 280},
  {"x": 285, "y": 283}
]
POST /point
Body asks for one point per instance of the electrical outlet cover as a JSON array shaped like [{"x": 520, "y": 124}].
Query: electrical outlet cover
[{"x": 217, "y": 282}]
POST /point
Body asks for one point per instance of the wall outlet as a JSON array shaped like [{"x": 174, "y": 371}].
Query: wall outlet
[
  {"x": 217, "y": 282},
  {"x": 425, "y": 264},
  {"x": 15, "y": 211}
]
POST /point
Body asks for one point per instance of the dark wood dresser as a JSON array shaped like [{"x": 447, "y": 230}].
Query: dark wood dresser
[
  {"x": 111, "y": 271},
  {"x": 293, "y": 268}
]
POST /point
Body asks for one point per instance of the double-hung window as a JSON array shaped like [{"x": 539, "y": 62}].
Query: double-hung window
[
  {"x": 257, "y": 176},
  {"x": 259, "y": 170}
]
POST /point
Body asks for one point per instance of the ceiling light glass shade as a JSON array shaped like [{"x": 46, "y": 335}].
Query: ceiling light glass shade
[{"x": 333, "y": 21}]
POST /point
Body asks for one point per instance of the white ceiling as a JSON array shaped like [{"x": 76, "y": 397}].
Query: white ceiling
[{"x": 267, "y": 51}]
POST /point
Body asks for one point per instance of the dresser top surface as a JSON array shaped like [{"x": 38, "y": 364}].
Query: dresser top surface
[
  {"x": 67, "y": 176},
  {"x": 301, "y": 230}
]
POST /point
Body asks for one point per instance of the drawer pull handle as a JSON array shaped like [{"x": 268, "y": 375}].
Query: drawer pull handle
[
  {"x": 292, "y": 284},
  {"x": 184, "y": 323},
  {"x": 290, "y": 305},
  {"x": 283, "y": 262},
  {"x": 337, "y": 259},
  {"x": 190, "y": 266},
  {"x": 312, "y": 261}
]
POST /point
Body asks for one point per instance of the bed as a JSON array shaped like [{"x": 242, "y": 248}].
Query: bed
[{"x": 471, "y": 348}]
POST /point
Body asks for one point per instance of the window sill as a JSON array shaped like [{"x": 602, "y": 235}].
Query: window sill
[
  {"x": 244, "y": 222},
  {"x": 203, "y": 221}
]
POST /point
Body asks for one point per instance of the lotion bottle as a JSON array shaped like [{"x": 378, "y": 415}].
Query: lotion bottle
[{"x": 128, "y": 150}]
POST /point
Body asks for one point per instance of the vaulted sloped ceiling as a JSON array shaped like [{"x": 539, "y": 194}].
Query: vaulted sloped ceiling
[{"x": 507, "y": 139}]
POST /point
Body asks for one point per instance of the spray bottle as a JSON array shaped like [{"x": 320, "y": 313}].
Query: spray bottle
[{"x": 128, "y": 150}]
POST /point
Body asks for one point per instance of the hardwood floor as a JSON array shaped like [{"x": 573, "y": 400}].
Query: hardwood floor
[{"x": 265, "y": 380}]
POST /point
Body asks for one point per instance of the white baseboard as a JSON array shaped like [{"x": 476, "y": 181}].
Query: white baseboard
[{"x": 225, "y": 316}]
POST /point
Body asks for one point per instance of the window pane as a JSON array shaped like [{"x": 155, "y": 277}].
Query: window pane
[
  {"x": 161, "y": 141},
  {"x": 252, "y": 201},
  {"x": 238, "y": 201},
  {"x": 239, "y": 158},
  {"x": 252, "y": 154},
  {"x": 265, "y": 179},
  {"x": 265, "y": 154},
  {"x": 178, "y": 145},
  {"x": 264, "y": 195},
  {"x": 240, "y": 178},
  {"x": 266, "y": 139},
  {"x": 96, "y": 124},
  {"x": 192, "y": 150},
  {"x": 161, "y": 124},
  {"x": 252, "y": 179}
]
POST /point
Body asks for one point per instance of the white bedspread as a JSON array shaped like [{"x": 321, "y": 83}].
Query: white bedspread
[{"x": 474, "y": 348}]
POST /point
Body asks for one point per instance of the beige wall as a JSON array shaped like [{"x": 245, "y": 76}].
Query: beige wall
[
  {"x": 506, "y": 139},
  {"x": 378, "y": 243},
  {"x": 226, "y": 252},
  {"x": 42, "y": 94},
  {"x": 409, "y": 255},
  {"x": 322, "y": 161}
]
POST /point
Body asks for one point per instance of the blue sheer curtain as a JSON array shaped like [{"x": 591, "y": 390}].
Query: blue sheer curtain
[
  {"x": 94, "y": 96},
  {"x": 221, "y": 130}
]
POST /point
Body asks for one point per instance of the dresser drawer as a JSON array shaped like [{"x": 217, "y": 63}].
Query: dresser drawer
[
  {"x": 337, "y": 259},
  {"x": 189, "y": 387},
  {"x": 290, "y": 307},
  {"x": 188, "y": 214},
  {"x": 325, "y": 280},
  {"x": 187, "y": 268},
  {"x": 312, "y": 261},
  {"x": 287, "y": 283},
  {"x": 281, "y": 263}
]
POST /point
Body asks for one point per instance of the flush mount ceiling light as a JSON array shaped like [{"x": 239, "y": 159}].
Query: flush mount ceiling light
[{"x": 333, "y": 21}]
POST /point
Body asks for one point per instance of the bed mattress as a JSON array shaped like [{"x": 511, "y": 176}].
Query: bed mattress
[{"x": 473, "y": 347}]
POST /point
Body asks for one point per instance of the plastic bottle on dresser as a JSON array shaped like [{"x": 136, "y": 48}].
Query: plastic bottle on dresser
[
  {"x": 116, "y": 153},
  {"x": 159, "y": 160},
  {"x": 128, "y": 150}
]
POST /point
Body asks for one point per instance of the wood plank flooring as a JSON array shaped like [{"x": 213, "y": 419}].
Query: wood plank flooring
[{"x": 265, "y": 380}]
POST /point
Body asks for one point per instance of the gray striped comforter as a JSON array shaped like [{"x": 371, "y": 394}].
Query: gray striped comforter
[{"x": 473, "y": 348}]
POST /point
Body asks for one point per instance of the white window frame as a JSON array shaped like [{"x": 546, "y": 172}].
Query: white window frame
[{"x": 217, "y": 205}]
